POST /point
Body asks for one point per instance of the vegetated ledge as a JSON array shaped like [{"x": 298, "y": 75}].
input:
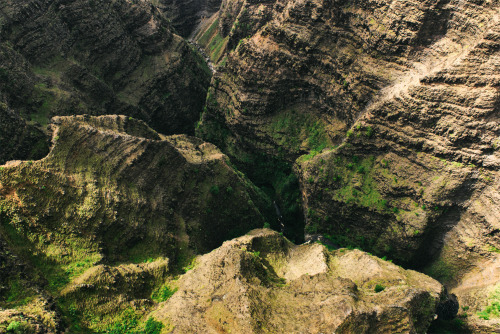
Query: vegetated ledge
[{"x": 111, "y": 191}]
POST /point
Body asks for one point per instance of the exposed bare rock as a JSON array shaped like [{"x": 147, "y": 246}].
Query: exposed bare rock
[{"x": 262, "y": 283}]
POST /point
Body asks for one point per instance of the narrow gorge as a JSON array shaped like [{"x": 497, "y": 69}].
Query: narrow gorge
[{"x": 276, "y": 166}]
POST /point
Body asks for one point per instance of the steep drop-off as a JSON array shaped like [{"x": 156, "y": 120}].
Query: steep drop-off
[
  {"x": 112, "y": 191},
  {"x": 187, "y": 15},
  {"x": 395, "y": 105},
  {"x": 99, "y": 57}
]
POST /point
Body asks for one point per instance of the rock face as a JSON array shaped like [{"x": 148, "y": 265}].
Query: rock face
[
  {"x": 103, "y": 57},
  {"x": 112, "y": 191},
  {"x": 262, "y": 283},
  {"x": 397, "y": 105}
]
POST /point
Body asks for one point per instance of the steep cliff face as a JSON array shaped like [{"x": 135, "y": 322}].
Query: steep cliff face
[
  {"x": 112, "y": 191},
  {"x": 102, "y": 57},
  {"x": 326, "y": 61},
  {"x": 397, "y": 105}
]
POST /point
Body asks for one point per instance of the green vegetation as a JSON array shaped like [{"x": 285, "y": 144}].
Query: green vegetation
[
  {"x": 152, "y": 326},
  {"x": 214, "y": 190},
  {"x": 493, "y": 249},
  {"x": 379, "y": 288},
  {"x": 213, "y": 42},
  {"x": 190, "y": 265},
  {"x": 441, "y": 271},
  {"x": 15, "y": 327},
  {"x": 294, "y": 130},
  {"x": 357, "y": 185},
  {"x": 129, "y": 323},
  {"x": 205, "y": 38},
  {"x": 492, "y": 310},
  {"x": 163, "y": 293},
  {"x": 348, "y": 240},
  {"x": 18, "y": 294}
]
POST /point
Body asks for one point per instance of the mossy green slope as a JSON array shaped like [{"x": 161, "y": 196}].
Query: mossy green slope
[{"x": 111, "y": 191}]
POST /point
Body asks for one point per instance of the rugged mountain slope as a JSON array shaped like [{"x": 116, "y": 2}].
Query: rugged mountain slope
[
  {"x": 111, "y": 191},
  {"x": 187, "y": 15},
  {"x": 19, "y": 139},
  {"x": 262, "y": 283},
  {"x": 402, "y": 99},
  {"x": 103, "y": 57}
]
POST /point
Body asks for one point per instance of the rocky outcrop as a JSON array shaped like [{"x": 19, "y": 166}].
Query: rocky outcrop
[
  {"x": 107, "y": 57},
  {"x": 397, "y": 105},
  {"x": 263, "y": 283},
  {"x": 112, "y": 191}
]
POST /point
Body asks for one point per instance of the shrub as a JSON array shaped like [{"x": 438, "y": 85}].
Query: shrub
[
  {"x": 379, "y": 288},
  {"x": 214, "y": 190},
  {"x": 15, "y": 327},
  {"x": 153, "y": 327},
  {"x": 163, "y": 294}
]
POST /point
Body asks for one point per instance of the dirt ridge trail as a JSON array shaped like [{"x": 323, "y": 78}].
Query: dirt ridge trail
[{"x": 441, "y": 55}]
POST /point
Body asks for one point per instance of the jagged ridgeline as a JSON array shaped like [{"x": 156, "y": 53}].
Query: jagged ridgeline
[
  {"x": 99, "y": 57},
  {"x": 368, "y": 124},
  {"x": 112, "y": 191}
]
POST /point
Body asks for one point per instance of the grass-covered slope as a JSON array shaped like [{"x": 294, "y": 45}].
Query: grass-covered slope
[{"x": 111, "y": 191}]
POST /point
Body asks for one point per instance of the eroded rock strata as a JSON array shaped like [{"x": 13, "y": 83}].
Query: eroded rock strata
[
  {"x": 112, "y": 191},
  {"x": 99, "y": 57},
  {"x": 365, "y": 124},
  {"x": 396, "y": 106}
]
